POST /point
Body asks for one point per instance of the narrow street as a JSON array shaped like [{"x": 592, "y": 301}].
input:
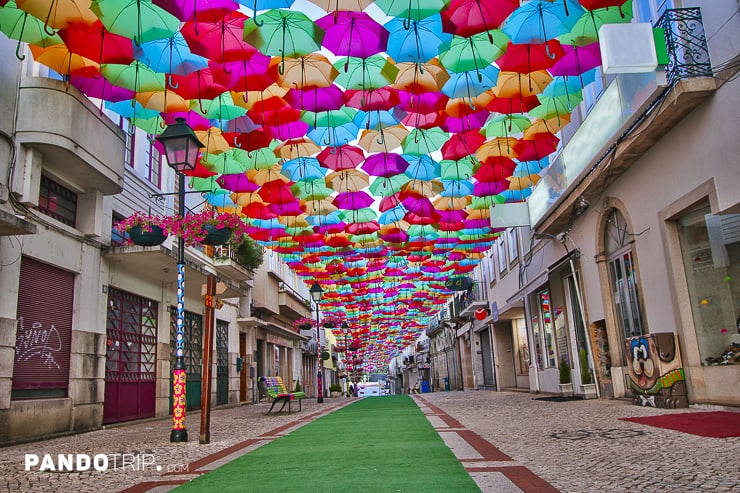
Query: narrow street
[{"x": 507, "y": 441}]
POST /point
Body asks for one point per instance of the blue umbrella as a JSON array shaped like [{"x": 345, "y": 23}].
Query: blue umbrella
[
  {"x": 130, "y": 108},
  {"x": 526, "y": 168},
  {"x": 421, "y": 167},
  {"x": 303, "y": 169},
  {"x": 456, "y": 188},
  {"x": 417, "y": 41},
  {"x": 541, "y": 20},
  {"x": 377, "y": 119},
  {"x": 472, "y": 83},
  {"x": 392, "y": 215},
  {"x": 169, "y": 56},
  {"x": 334, "y": 136},
  {"x": 516, "y": 195},
  {"x": 564, "y": 84}
]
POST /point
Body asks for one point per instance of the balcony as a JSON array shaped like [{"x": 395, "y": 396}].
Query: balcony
[
  {"x": 470, "y": 301},
  {"x": 618, "y": 131},
  {"x": 291, "y": 303},
  {"x": 90, "y": 150},
  {"x": 227, "y": 263},
  {"x": 11, "y": 225}
]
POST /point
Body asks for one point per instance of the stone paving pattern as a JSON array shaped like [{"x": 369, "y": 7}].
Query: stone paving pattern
[{"x": 576, "y": 446}]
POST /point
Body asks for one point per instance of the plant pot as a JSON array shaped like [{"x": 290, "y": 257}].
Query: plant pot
[
  {"x": 589, "y": 391},
  {"x": 147, "y": 238},
  {"x": 216, "y": 236},
  {"x": 566, "y": 389}
]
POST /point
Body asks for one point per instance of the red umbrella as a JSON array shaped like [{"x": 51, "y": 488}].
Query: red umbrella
[
  {"x": 244, "y": 75},
  {"x": 462, "y": 144},
  {"x": 276, "y": 191},
  {"x": 250, "y": 141},
  {"x": 496, "y": 168},
  {"x": 530, "y": 57},
  {"x": 387, "y": 203},
  {"x": 383, "y": 98},
  {"x": 601, "y": 4},
  {"x": 95, "y": 42},
  {"x": 424, "y": 102},
  {"x": 536, "y": 147},
  {"x": 221, "y": 41},
  {"x": 512, "y": 105},
  {"x": 256, "y": 210},
  {"x": 468, "y": 17},
  {"x": 341, "y": 158},
  {"x": 196, "y": 85},
  {"x": 424, "y": 120}
]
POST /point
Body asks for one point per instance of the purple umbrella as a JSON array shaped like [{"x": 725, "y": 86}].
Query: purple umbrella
[
  {"x": 577, "y": 60},
  {"x": 195, "y": 10},
  {"x": 100, "y": 88},
  {"x": 385, "y": 164},
  {"x": 290, "y": 130},
  {"x": 468, "y": 122},
  {"x": 353, "y": 34},
  {"x": 452, "y": 215},
  {"x": 353, "y": 200},
  {"x": 485, "y": 188},
  {"x": 238, "y": 183},
  {"x": 318, "y": 99},
  {"x": 195, "y": 120},
  {"x": 421, "y": 206}
]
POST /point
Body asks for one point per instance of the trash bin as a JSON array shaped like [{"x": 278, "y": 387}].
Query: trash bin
[
  {"x": 447, "y": 384},
  {"x": 424, "y": 387}
]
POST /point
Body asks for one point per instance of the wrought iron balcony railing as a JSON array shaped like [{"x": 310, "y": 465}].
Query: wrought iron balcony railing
[{"x": 686, "y": 44}]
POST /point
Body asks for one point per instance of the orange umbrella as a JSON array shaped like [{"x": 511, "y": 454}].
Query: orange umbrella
[
  {"x": 306, "y": 72},
  {"x": 420, "y": 77},
  {"x": 245, "y": 198},
  {"x": 551, "y": 126},
  {"x": 164, "y": 101},
  {"x": 350, "y": 180},
  {"x": 500, "y": 146},
  {"x": 318, "y": 207},
  {"x": 262, "y": 176},
  {"x": 59, "y": 13},
  {"x": 513, "y": 84},
  {"x": 451, "y": 203},
  {"x": 421, "y": 188},
  {"x": 384, "y": 139},
  {"x": 213, "y": 141},
  {"x": 63, "y": 61},
  {"x": 291, "y": 149},
  {"x": 342, "y": 5}
]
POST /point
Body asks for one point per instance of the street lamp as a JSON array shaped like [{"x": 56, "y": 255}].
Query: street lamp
[
  {"x": 181, "y": 147},
  {"x": 345, "y": 331},
  {"x": 316, "y": 293}
]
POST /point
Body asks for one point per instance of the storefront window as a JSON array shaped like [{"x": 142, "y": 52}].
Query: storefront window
[
  {"x": 710, "y": 246},
  {"x": 520, "y": 333},
  {"x": 547, "y": 328}
]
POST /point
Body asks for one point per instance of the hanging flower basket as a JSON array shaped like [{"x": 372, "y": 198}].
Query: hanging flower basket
[
  {"x": 140, "y": 236},
  {"x": 216, "y": 236}
]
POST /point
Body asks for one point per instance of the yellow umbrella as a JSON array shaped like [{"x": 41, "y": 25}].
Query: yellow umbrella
[
  {"x": 521, "y": 182},
  {"x": 245, "y": 198},
  {"x": 319, "y": 207},
  {"x": 250, "y": 98},
  {"x": 479, "y": 213},
  {"x": 513, "y": 84},
  {"x": 350, "y": 180},
  {"x": 306, "y": 72},
  {"x": 423, "y": 188},
  {"x": 551, "y": 126},
  {"x": 417, "y": 77},
  {"x": 62, "y": 61},
  {"x": 384, "y": 139},
  {"x": 451, "y": 203},
  {"x": 213, "y": 140},
  {"x": 165, "y": 101},
  {"x": 262, "y": 176},
  {"x": 348, "y": 5},
  {"x": 59, "y": 13},
  {"x": 500, "y": 146},
  {"x": 296, "y": 148},
  {"x": 294, "y": 221}
]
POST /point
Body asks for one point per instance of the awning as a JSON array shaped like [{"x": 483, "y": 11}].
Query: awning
[{"x": 541, "y": 278}]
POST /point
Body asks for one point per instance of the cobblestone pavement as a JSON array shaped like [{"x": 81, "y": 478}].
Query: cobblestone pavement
[{"x": 507, "y": 441}]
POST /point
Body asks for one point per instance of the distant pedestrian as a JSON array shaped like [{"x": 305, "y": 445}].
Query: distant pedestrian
[{"x": 351, "y": 390}]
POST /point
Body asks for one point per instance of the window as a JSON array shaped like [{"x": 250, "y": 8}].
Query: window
[
  {"x": 492, "y": 265},
  {"x": 650, "y": 10},
  {"x": 710, "y": 246},
  {"x": 57, "y": 201},
  {"x": 513, "y": 245},
  {"x": 153, "y": 163},
  {"x": 622, "y": 276},
  {"x": 501, "y": 253},
  {"x": 129, "y": 129},
  {"x": 117, "y": 238}
]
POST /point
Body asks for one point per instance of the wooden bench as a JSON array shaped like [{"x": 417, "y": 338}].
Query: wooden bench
[{"x": 278, "y": 393}]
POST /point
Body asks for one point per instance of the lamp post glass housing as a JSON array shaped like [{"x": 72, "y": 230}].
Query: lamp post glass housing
[
  {"x": 316, "y": 294},
  {"x": 181, "y": 147}
]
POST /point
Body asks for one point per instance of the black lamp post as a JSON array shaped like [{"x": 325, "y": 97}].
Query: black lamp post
[
  {"x": 181, "y": 147},
  {"x": 345, "y": 331},
  {"x": 316, "y": 293}
]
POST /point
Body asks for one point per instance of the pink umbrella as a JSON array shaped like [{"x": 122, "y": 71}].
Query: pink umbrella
[
  {"x": 383, "y": 98},
  {"x": 341, "y": 158},
  {"x": 352, "y": 200},
  {"x": 421, "y": 206},
  {"x": 99, "y": 87},
  {"x": 353, "y": 34},
  {"x": 385, "y": 164},
  {"x": 425, "y": 102},
  {"x": 318, "y": 99}
]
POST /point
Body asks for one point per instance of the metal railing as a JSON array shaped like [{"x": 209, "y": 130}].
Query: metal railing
[{"x": 686, "y": 43}]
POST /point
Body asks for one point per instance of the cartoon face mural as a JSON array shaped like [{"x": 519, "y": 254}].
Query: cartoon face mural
[{"x": 654, "y": 368}]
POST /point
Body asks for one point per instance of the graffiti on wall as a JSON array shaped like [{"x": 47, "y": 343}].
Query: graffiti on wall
[{"x": 655, "y": 372}]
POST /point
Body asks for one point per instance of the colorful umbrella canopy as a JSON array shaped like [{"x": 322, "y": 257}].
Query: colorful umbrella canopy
[{"x": 363, "y": 144}]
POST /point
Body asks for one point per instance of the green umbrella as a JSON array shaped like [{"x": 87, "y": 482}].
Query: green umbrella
[
  {"x": 152, "y": 126},
  {"x": 311, "y": 190},
  {"x": 505, "y": 125},
  {"x": 283, "y": 32},
  {"x": 220, "y": 108},
  {"x": 139, "y": 20},
  {"x": 456, "y": 170},
  {"x": 555, "y": 107},
  {"x": 262, "y": 158},
  {"x": 22, "y": 26},
  {"x": 411, "y": 9},
  {"x": 475, "y": 52},
  {"x": 223, "y": 163},
  {"x": 331, "y": 118},
  {"x": 386, "y": 187},
  {"x": 206, "y": 185},
  {"x": 135, "y": 76},
  {"x": 372, "y": 72},
  {"x": 359, "y": 215},
  {"x": 486, "y": 201},
  {"x": 422, "y": 141},
  {"x": 586, "y": 29}
]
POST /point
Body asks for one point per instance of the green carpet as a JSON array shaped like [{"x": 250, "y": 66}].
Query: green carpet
[{"x": 377, "y": 444}]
